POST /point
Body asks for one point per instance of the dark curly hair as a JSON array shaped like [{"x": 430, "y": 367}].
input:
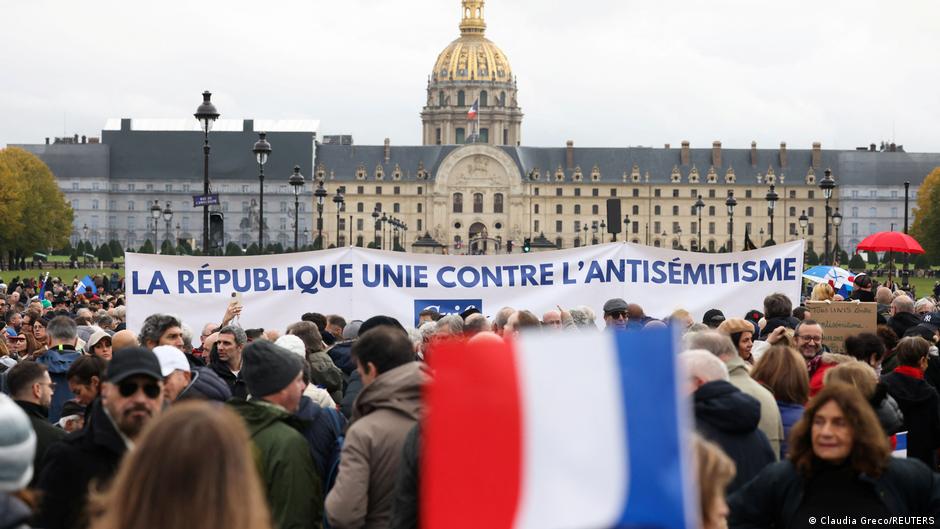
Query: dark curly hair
[{"x": 870, "y": 449}]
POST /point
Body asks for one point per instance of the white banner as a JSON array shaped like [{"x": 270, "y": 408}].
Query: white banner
[{"x": 359, "y": 283}]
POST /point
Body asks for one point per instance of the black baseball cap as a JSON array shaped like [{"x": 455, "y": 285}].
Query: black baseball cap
[
  {"x": 932, "y": 320},
  {"x": 713, "y": 318},
  {"x": 132, "y": 361}
]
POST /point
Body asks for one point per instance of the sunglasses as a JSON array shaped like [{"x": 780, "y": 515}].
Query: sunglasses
[
  {"x": 128, "y": 389},
  {"x": 18, "y": 339},
  {"x": 617, "y": 314}
]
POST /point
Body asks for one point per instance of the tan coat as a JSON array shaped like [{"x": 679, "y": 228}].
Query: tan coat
[
  {"x": 384, "y": 412},
  {"x": 770, "y": 422}
]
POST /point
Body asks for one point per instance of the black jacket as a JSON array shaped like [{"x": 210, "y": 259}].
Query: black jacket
[
  {"x": 235, "y": 382},
  {"x": 341, "y": 354},
  {"x": 92, "y": 454},
  {"x": 46, "y": 434},
  {"x": 903, "y": 321},
  {"x": 405, "y": 513},
  {"x": 865, "y": 296},
  {"x": 205, "y": 385},
  {"x": 771, "y": 500},
  {"x": 729, "y": 417},
  {"x": 320, "y": 431},
  {"x": 887, "y": 409},
  {"x": 353, "y": 387},
  {"x": 920, "y": 404},
  {"x": 789, "y": 322}
]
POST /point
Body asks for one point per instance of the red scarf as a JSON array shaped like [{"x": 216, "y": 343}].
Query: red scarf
[{"x": 910, "y": 371}]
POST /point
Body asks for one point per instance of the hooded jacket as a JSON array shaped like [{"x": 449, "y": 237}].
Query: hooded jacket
[
  {"x": 383, "y": 414},
  {"x": 284, "y": 463},
  {"x": 320, "y": 431},
  {"x": 70, "y": 466},
  {"x": 729, "y": 418},
  {"x": 206, "y": 385},
  {"x": 324, "y": 373},
  {"x": 58, "y": 361},
  {"x": 770, "y": 421},
  {"x": 920, "y": 405}
]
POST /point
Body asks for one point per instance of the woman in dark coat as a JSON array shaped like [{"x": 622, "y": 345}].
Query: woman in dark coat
[{"x": 840, "y": 466}]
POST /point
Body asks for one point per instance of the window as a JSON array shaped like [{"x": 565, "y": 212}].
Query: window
[
  {"x": 872, "y": 212},
  {"x": 711, "y": 210},
  {"x": 94, "y": 204},
  {"x": 577, "y": 226},
  {"x": 378, "y": 207},
  {"x": 577, "y": 191},
  {"x": 557, "y": 226},
  {"x": 378, "y": 190},
  {"x": 657, "y": 211},
  {"x": 458, "y": 202},
  {"x": 112, "y": 204},
  {"x": 613, "y": 191},
  {"x": 169, "y": 188},
  {"x": 747, "y": 211},
  {"x": 360, "y": 207},
  {"x": 342, "y": 223},
  {"x": 461, "y": 99},
  {"x": 131, "y": 222},
  {"x": 536, "y": 209},
  {"x": 283, "y": 205},
  {"x": 419, "y": 225},
  {"x": 282, "y": 224},
  {"x": 793, "y": 193},
  {"x": 595, "y": 192},
  {"x": 484, "y": 99},
  {"x": 711, "y": 193},
  {"x": 810, "y": 211},
  {"x": 536, "y": 223},
  {"x": 811, "y": 194},
  {"x": 747, "y": 193},
  {"x": 636, "y": 210},
  {"x": 130, "y": 205},
  {"x": 558, "y": 209},
  {"x": 594, "y": 209},
  {"x": 130, "y": 187},
  {"x": 74, "y": 186},
  {"x": 894, "y": 194},
  {"x": 497, "y": 203},
  {"x": 360, "y": 190},
  {"x": 244, "y": 188},
  {"x": 360, "y": 224},
  {"x": 711, "y": 228},
  {"x": 854, "y": 228},
  {"x": 505, "y": 136},
  {"x": 675, "y": 211},
  {"x": 478, "y": 202},
  {"x": 536, "y": 191},
  {"x": 810, "y": 229},
  {"x": 420, "y": 207},
  {"x": 186, "y": 188},
  {"x": 557, "y": 191},
  {"x": 636, "y": 192},
  {"x": 792, "y": 211},
  {"x": 675, "y": 193},
  {"x": 396, "y": 208},
  {"x": 657, "y": 193},
  {"x": 420, "y": 190},
  {"x": 656, "y": 227},
  {"x": 461, "y": 135},
  {"x": 484, "y": 135},
  {"x": 577, "y": 209},
  {"x": 437, "y": 132},
  {"x": 873, "y": 194}
]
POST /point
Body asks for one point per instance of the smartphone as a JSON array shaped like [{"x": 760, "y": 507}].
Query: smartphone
[{"x": 236, "y": 298}]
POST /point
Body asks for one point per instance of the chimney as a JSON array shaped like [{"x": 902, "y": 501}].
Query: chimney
[
  {"x": 125, "y": 125},
  {"x": 872, "y": 148},
  {"x": 569, "y": 154},
  {"x": 753, "y": 154},
  {"x": 684, "y": 156},
  {"x": 388, "y": 149},
  {"x": 783, "y": 154},
  {"x": 248, "y": 125},
  {"x": 75, "y": 139},
  {"x": 817, "y": 155},
  {"x": 84, "y": 139},
  {"x": 668, "y": 146},
  {"x": 47, "y": 140},
  {"x": 716, "y": 153},
  {"x": 893, "y": 147}
]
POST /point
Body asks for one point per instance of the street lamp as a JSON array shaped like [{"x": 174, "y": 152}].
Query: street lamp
[
  {"x": 626, "y": 226},
  {"x": 168, "y": 218},
  {"x": 594, "y": 232},
  {"x": 155, "y": 213},
  {"x": 339, "y": 200},
  {"x": 836, "y": 221},
  {"x": 585, "y": 228},
  {"x": 85, "y": 240},
  {"x": 206, "y": 114},
  {"x": 320, "y": 193},
  {"x": 827, "y": 184},
  {"x": 296, "y": 181},
  {"x": 804, "y": 222},
  {"x": 177, "y": 237},
  {"x": 603, "y": 229},
  {"x": 731, "y": 203},
  {"x": 262, "y": 150},
  {"x": 375, "y": 220},
  {"x": 771, "y": 198},
  {"x": 699, "y": 205}
]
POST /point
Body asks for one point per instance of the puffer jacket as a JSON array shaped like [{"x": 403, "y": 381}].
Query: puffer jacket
[
  {"x": 205, "y": 385},
  {"x": 384, "y": 413}
]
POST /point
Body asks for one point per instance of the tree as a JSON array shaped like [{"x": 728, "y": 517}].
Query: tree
[
  {"x": 926, "y": 227},
  {"x": 30, "y": 198},
  {"x": 857, "y": 263},
  {"x": 104, "y": 253},
  {"x": 253, "y": 249},
  {"x": 233, "y": 250},
  {"x": 811, "y": 258},
  {"x": 872, "y": 258},
  {"x": 922, "y": 262},
  {"x": 147, "y": 247},
  {"x": 116, "y": 250},
  {"x": 167, "y": 248}
]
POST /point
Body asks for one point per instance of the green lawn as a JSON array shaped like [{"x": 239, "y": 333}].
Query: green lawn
[{"x": 64, "y": 273}]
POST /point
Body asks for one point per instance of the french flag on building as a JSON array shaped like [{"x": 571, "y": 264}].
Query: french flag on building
[
  {"x": 472, "y": 113},
  {"x": 558, "y": 431}
]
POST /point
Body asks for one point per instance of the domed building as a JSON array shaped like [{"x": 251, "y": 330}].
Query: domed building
[{"x": 472, "y": 69}]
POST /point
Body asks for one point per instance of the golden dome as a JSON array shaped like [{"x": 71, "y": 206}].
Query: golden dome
[{"x": 472, "y": 57}]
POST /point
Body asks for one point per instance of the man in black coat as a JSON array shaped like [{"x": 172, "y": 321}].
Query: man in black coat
[
  {"x": 918, "y": 400},
  {"x": 902, "y": 315},
  {"x": 31, "y": 388},
  {"x": 131, "y": 397},
  {"x": 727, "y": 416}
]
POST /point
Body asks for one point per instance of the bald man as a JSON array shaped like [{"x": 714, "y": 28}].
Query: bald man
[
  {"x": 122, "y": 339},
  {"x": 551, "y": 320}
]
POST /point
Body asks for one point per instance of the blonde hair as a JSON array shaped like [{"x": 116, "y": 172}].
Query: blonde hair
[
  {"x": 858, "y": 374},
  {"x": 822, "y": 292},
  {"x": 715, "y": 471},
  {"x": 783, "y": 371},
  {"x": 172, "y": 480}
]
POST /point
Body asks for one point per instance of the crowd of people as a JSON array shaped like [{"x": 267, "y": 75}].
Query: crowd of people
[{"x": 318, "y": 423}]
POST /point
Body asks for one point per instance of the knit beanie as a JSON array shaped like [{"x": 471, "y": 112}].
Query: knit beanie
[
  {"x": 268, "y": 368},
  {"x": 17, "y": 446}
]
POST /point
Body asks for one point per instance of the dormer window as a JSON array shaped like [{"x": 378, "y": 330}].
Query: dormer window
[
  {"x": 379, "y": 173},
  {"x": 729, "y": 176},
  {"x": 595, "y": 173},
  {"x": 361, "y": 172},
  {"x": 675, "y": 177},
  {"x": 396, "y": 174},
  {"x": 577, "y": 174},
  {"x": 559, "y": 174}
]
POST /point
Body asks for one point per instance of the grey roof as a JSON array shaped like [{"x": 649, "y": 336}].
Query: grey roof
[
  {"x": 178, "y": 155},
  {"x": 849, "y": 167},
  {"x": 89, "y": 160}
]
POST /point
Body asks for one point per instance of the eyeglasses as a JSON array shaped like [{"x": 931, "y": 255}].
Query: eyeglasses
[
  {"x": 617, "y": 314},
  {"x": 809, "y": 338},
  {"x": 128, "y": 389}
]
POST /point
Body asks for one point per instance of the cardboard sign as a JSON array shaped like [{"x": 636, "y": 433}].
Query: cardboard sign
[{"x": 841, "y": 319}]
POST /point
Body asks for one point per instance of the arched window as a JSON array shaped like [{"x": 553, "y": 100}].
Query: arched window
[
  {"x": 461, "y": 99},
  {"x": 657, "y": 210},
  {"x": 498, "y": 203},
  {"x": 458, "y": 202},
  {"x": 577, "y": 209},
  {"x": 711, "y": 210},
  {"x": 675, "y": 211},
  {"x": 558, "y": 209},
  {"x": 536, "y": 206},
  {"x": 440, "y": 98},
  {"x": 594, "y": 209},
  {"x": 478, "y": 202},
  {"x": 502, "y": 99},
  {"x": 484, "y": 100}
]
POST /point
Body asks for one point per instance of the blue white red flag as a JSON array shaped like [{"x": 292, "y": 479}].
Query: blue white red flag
[
  {"x": 558, "y": 431},
  {"x": 472, "y": 113},
  {"x": 87, "y": 281}
]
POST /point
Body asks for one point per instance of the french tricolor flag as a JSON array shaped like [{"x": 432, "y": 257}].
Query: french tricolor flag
[
  {"x": 558, "y": 431},
  {"x": 472, "y": 113}
]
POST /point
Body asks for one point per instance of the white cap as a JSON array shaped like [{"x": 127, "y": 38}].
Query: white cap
[
  {"x": 293, "y": 344},
  {"x": 170, "y": 359}
]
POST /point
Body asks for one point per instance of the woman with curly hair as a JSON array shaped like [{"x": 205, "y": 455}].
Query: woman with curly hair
[{"x": 840, "y": 465}]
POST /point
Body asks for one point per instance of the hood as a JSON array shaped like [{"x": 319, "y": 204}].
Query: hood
[
  {"x": 908, "y": 391},
  {"x": 726, "y": 408},
  {"x": 58, "y": 361},
  {"x": 258, "y": 414},
  {"x": 205, "y": 384},
  {"x": 836, "y": 358},
  {"x": 398, "y": 389}
]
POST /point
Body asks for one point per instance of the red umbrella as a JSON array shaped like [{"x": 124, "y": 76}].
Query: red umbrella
[{"x": 890, "y": 241}]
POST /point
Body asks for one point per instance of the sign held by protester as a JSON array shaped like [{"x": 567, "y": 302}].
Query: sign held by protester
[
  {"x": 358, "y": 283},
  {"x": 841, "y": 319}
]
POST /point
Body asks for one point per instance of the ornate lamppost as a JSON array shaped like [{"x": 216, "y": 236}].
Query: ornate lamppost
[
  {"x": 262, "y": 150},
  {"x": 772, "y": 198},
  {"x": 155, "y": 212},
  {"x": 320, "y": 193},
  {"x": 827, "y": 184},
  {"x": 731, "y": 203},
  {"x": 297, "y": 182},
  {"x": 339, "y": 200},
  {"x": 700, "y": 205},
  {"x": 206, "y": 114}
]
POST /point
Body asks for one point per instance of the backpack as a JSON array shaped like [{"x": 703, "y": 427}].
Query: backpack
[{"x": 332, "y": 462}]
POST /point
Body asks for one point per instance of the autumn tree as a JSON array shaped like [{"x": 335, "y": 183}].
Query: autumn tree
[
  {"x": 34, "y": 215},
  {"x": 926, "y": 228}
]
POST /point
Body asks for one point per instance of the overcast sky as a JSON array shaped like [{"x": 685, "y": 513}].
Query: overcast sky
[{"x": 599, "y": 72}]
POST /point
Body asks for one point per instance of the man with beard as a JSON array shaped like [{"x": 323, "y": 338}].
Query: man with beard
[
  {"x": 31, "y": 388},
  {"x": 130, "y": 398}
]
